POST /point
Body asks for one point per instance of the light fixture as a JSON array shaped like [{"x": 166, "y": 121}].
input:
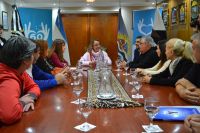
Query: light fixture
[{"x": 90, "y": 1}]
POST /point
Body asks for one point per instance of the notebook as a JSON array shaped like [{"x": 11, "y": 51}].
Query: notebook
[{"x": 175, "y": 113}]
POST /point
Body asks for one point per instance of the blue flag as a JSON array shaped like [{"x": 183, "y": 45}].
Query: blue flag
[
  {"x": 123, "y": 41},
  {"x": 37, "y": 23}
]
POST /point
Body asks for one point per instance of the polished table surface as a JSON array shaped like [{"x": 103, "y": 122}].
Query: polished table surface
[{"x": 55, "y": 114}]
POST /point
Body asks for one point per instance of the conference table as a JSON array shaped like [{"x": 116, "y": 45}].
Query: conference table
[{"x": 54, "y": 112}]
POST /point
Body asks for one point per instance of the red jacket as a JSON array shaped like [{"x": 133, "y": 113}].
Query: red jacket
[{"x": 11, "y": 86}]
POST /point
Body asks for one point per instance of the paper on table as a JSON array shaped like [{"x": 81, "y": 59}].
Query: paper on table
[
  {"x": 137, "y": 96},
  {"x": 154, "y": 129},
  {"x": 81, "y": 127}
]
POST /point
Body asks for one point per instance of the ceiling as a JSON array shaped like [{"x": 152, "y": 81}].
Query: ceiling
[{"x": 80, "y": 3}]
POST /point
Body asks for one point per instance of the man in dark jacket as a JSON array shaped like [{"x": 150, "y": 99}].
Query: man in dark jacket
[{"x": 148, "y": 56}]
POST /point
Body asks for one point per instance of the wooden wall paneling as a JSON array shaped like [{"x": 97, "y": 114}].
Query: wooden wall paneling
[
  {"x": 104, "y": 27},
  {"x": 76, "y": 28},
  {"x": 82, "y": 28}
]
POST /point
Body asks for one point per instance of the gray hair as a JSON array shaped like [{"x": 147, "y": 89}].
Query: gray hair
[
  {"x": 196, "y": 37},
  {"x": 149, "y": 40}
]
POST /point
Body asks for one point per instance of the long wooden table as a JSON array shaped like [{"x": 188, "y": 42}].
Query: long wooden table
[{"x": 55, "y": 114}]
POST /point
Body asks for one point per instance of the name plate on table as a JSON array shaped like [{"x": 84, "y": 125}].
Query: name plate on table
[{"x": 120, "y": 99}]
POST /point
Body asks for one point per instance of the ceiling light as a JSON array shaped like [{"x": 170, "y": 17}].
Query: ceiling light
[
  {"x": 153, "y": 3},
  {"x": 90, "y": 1}
]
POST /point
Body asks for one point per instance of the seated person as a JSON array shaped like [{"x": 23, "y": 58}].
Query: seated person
[
  {"x": 137, "y": 48},
  {"x": 18, "y": 91},
  {"x": 195, "y": 24},
  {"x": 56, "y": 53},
  {"x": 43, "y": 62},
  {"x": 161, "y": 65},
  {"x": 148, "y": 57},
  {"x": 188, "y": 87},
  {"x": 2, "y": 40},
  {"x": 192, "y": 123},
  {"x": 94, "y": 54},
  {"x": 180, "y": 54},
  {"x": 43, "y": 79}
]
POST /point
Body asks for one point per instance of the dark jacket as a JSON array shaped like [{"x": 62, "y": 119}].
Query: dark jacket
[
  {"x": 45, "y": 65},
  {"x": 165, "y": 78},
  {"x": 146, "y": 60}
]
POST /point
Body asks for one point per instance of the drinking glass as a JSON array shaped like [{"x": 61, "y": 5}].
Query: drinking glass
[
  {"x": 117, "y": 62},
  {"x": 77, "y": 89},
  {"x": 126, "y": 69},
  {"x": 151, "y": 107},
  {"x": 133, "y": 74},
  {"x": 85, "y": 109},
  {"x": 74, "y": 74},
  {"x": 137, "y": 85}
]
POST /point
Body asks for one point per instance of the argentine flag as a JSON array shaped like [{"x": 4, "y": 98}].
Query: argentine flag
[{"x": 59, "y": 32}]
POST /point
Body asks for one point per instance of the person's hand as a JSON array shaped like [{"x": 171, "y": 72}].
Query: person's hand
[
  {"x": 123, "y": 64},
  {"x": 146, "y": 79},
  {"x": 28, "y": 106},
  {"x": 66, "y": 71},
  {"x": 26, "y": 99},
  {"x": 60, "y": 78},
  {"x": 192, "y": 123},
  {"x": 191, "y": 94},
  {"x": 92, "y": 64},
  {"x": 138, "y": 70}
]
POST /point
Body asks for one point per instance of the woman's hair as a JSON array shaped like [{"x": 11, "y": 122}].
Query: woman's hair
[
  {"x": 16, "y": 50},
  {"x": 57, "y": 48},
  {"x": 183, "y": 49},
  {"x": 90, "y": 47},
  {"x": 163, "y": 58},
  {"x": 43, "y": 47}
]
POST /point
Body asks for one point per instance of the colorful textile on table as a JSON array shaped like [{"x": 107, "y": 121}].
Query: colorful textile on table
[{"x": 122, "y": 99}]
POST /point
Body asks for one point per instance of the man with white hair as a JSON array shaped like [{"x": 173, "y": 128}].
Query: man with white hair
[{"x": 148, "y": 56}]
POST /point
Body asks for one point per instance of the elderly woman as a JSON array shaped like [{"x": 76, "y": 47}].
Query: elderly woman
[
  {"x": 95, "y": 54},
  {"x": 180, "y": 54},
  {"x": 18, "y": 91}
]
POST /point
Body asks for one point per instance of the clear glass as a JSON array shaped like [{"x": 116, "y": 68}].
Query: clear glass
[
  {"x": 77, "y": 89},
  {"x": 74, "y": 74},
  {"x": 133, "y": 74},
  {"x": 137, "y": 85},
  {"x": 151, "y": 106},
  {"x": 126, "y": 69},
  {"x": 118, "y": 64},
  {"x": 85, "y": 107}
]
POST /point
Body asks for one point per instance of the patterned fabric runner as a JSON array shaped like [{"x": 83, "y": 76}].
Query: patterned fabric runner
[{"x": 122, "y": 99}]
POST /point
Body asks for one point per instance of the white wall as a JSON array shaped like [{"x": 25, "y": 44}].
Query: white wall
[{"x": 7, "y": 8}]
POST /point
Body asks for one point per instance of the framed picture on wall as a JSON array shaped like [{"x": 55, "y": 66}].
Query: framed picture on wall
[
  {"x": 165, "y": 17},
  {"x": 174, "y": 15},
  {"x": 182, "y": 14},
  {"x": 194, "y": 9},
  {"x": 5, "y": 20}
]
